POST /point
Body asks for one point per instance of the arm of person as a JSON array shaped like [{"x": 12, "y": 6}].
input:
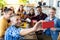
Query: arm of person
[
  {"x": 58, "y": 25},
  {"x": 35, "y": 28},
  {"x": 26, "y": 31},
  {"x": 3, "y": 27},
  {"x": 20, "y": 32},
  {"x": 23, "y": 32}
]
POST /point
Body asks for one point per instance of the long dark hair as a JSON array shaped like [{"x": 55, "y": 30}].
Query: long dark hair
[
  {"x": 33, "y": 11},
  {"x": 19, "y": 8}
]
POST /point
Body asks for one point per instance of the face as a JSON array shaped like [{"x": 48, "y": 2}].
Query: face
[
  {"x": 31, "y": 11},
  {"x": 9, "y": 14},
  {"x": 17, "y": 21},
  {"x": 52, "y": 12},
  {"x": 12, "y": 8},
  {"x": 39, "y": 10},
  {"x": 21, "y": 8}
]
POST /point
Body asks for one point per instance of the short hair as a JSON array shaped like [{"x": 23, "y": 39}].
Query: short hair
[
  {"x": 7, "y": 9},
  {"x": 14, "y": 16},
  {"x": 53, "y": 8},
  {"x": 38, "y": 7}
]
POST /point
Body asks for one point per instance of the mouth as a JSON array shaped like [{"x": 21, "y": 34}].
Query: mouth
[{"x": 18, "y": 23}]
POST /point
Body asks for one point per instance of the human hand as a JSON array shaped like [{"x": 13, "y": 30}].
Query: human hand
[
  {"x": 37, "y": 26},
  {"x": 53, "y": 29}
]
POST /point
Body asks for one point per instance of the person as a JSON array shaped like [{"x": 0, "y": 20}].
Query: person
[
  {"x": 21, "y": 11},
  {"x": 4, "y": 22},
  {"x": 53, "y": 32},
  {"x": 31, "y": 14},
  {"x": 16, "y": 33},
  {"x": 2, "y": 12},
  {"x": 12, "y": 9},
  {"x": 40, "y": 16}
]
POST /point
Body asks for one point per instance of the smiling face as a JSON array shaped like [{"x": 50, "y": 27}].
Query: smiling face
[
  {"x": 39, "y": 10},
  {"x": 9, "y": 14},
  {"x": 21, "y": 7},
  {"x": 16, "y": 20},
  {"x": 52, "y": 12},
  {"x": 31, "y": 11}
]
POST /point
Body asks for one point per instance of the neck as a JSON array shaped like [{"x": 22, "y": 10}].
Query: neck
[
  {"x": 15, "y": 25},
  {"x": 5, "y": 17},
  {"x": 31, "y": 13},
  {"x": 21, "y": 10},
  {"x": 40, "y": 14},
  {"x": 51, "y": 16}
]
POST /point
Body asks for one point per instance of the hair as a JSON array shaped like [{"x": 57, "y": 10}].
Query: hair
[
  {"x": 7, "y": 9},
  {"x": 19, "y": 8},
  {"x": 3, "y": 9},
  {"x": 22, "y": 5},
  {"x": 38, "y": 7},
  {"x": 12, "y": 9},
  {"x": 32, "y": 9},
  {"x": 14, "y": 16},
  {"x": 53, "y": 8}
]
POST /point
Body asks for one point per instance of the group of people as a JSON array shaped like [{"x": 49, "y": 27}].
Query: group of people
[{"x": 10, "y": 23}]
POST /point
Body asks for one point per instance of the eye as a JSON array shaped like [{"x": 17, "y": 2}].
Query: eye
[{"x": 52, "y": 12}]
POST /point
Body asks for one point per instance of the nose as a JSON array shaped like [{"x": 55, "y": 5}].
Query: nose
[{"x": 19, "y": 20}]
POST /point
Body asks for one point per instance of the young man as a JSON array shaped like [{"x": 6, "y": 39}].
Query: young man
[
  {"x": 4, "y": 21},
  {"x": 53, "y": 32},
  {"x": 14, "y": 32},
  {"x": 40, "y": 16}
]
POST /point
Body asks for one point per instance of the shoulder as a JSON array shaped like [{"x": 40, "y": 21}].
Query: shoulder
[
  {"x": 11, "y": 28},
  {"x": 56, "y": 18},
  {"x": 3, "y": 20},
  {"x": 1, "y": 17},
  {"x": 44, "y": 14},
  {"x": 47, "y": 18}
]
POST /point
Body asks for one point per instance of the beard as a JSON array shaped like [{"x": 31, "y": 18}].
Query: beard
[{"x": 17, "y": 26}]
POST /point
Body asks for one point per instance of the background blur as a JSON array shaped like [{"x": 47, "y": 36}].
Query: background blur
[{"x": 32, "y": 3}]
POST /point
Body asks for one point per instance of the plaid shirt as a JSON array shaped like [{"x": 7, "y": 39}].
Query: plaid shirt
[{"x": 13, "y": 33}]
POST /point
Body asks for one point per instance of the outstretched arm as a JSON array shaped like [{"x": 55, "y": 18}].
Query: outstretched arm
[{"x": 27, "y": 31}]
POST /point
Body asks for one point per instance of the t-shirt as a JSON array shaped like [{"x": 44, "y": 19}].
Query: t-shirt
[
  {"x": 3, "y": 26},
  {"x": 13, "y": 33}
]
